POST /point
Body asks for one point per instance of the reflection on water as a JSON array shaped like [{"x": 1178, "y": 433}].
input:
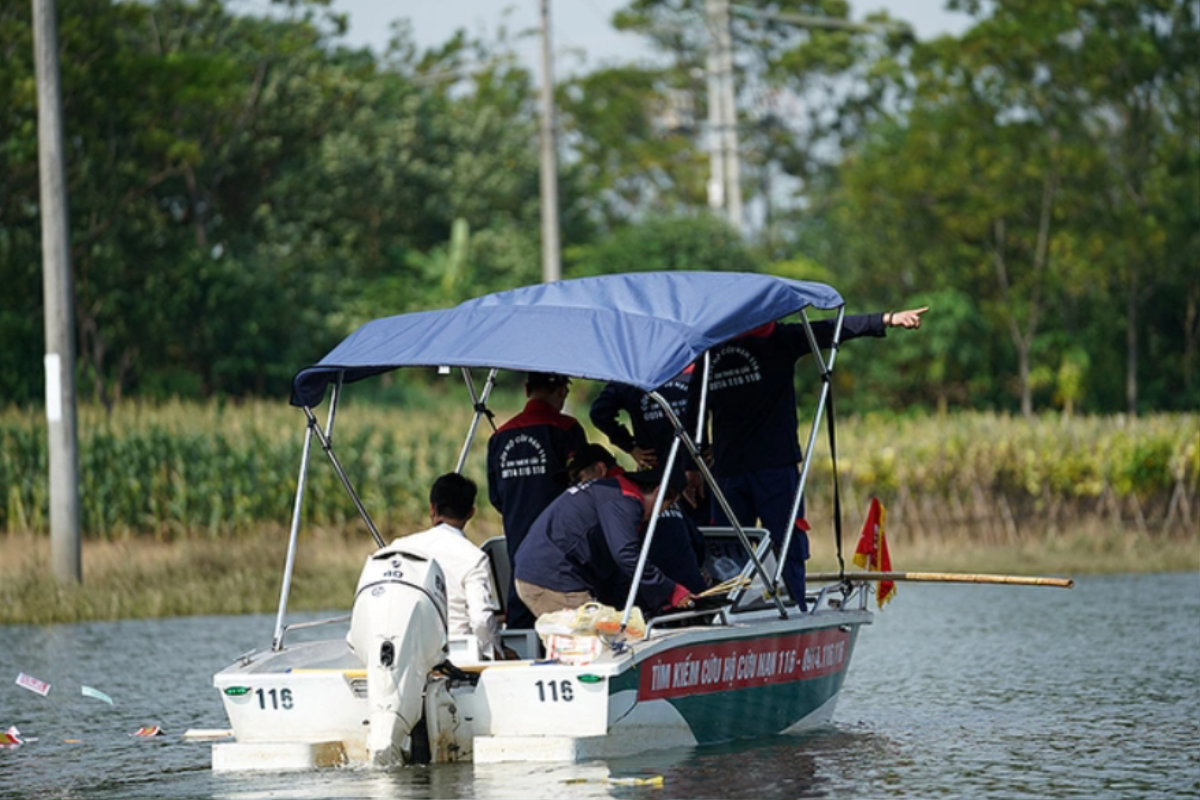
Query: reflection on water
[{"x": 965, "y": 691}]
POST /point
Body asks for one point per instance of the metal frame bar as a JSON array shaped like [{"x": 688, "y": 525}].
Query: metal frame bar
[
  {"x": 658, "y": 504},
  {"x": 826, "y": 373},
  {"x": 298, "y": 503},
  {"x": 721, "y": 617},
  {"x": 682, "y": 436},
  {"x": 317, "y": 623},
  {"x": 327, "y": 446},
  {"x": 476, "y": 400}
]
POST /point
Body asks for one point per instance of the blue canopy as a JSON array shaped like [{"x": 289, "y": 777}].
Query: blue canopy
[{"x": 639, "y": 328}]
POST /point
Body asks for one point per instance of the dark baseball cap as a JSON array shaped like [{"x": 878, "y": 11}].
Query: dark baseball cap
[
  {"x": 549, "y": 380},
  {"x": 590, "y": 454}
]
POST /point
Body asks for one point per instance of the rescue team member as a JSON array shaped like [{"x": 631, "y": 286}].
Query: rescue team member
[
  {"x": 752, "y": 409},
  {"x": 592, "y": 462},
  {"x": 652, "y": 433},
  {"x": 470, "y": 596},
  {"x": 588, "y": 542},
  {"x": 527, "y": 460},
  {"x": 678, "y": 548}
]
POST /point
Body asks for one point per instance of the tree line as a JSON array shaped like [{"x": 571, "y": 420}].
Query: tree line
[{"x": 245, "y": 190}]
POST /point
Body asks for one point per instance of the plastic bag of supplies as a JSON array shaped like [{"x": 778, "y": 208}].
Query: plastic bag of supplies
[{"x": 579, "y": 635}]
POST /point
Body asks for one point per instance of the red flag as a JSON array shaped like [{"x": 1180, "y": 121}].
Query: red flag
[{"x": 872, "y": 551}]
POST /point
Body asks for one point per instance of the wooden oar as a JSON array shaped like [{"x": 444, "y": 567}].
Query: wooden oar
[{"x": 944, "y": 577}]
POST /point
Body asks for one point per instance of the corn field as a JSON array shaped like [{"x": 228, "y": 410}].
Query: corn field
[{"x": 191, "y": 470}]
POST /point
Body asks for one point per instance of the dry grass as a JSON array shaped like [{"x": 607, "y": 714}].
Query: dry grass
[
  {"x": 183, "y": 500},
  {"x": 137, "y": 577}
]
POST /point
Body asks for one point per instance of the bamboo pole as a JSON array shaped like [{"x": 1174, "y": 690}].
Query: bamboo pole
[{"x": 944, "y": 577}]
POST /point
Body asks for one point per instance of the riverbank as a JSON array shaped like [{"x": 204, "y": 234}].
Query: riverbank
[
  {"x": 138, "y": 577},
  {"x": 182, "y": 504}
]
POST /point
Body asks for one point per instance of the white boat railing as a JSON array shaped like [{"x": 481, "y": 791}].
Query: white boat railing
[
  {"x": 316, "y": 623},
  {"x": 717, "y": 616},
  {"x": 826, "y": 373}
]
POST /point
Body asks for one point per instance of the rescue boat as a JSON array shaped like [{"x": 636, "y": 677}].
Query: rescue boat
[{"x": 390, "y": 687}]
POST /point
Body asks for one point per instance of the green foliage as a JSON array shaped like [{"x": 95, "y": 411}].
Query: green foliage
[
  {"x": 240, "y": 184},
  {"x": 702, "y": 242},
  {"x": 1027, "y": 173},
  {"x": 632, "y": 157},
  {"x": 246, "y": 190}
]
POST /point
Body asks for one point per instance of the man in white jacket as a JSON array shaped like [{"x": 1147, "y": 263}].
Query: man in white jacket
[{"x": 470, "y": 595}]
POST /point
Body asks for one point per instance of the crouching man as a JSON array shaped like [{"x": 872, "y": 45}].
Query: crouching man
[{"x": 588, "y": 542}]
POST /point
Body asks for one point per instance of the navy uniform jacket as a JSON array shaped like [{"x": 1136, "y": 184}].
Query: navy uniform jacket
[
  {"x": 527, "y": 463},
  {"x": 589, "y": 539},
  {"x": 752, "y": 392},
  {"x": 651, "y": 428},
  {"x": 679, "y": 549}
]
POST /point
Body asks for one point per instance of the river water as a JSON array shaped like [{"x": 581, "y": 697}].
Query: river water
[{"x": 957, "y": 691}]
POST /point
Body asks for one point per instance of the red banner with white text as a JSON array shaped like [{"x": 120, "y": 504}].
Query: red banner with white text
[{"x": 724, "y": 666}]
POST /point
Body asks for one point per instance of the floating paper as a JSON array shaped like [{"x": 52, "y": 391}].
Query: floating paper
[
  {"x": 151, "y": 730},
  {"x": 33, "y": 684},
  {"x": 96, "y": 693},
  {"x": 207, "y": 733}
]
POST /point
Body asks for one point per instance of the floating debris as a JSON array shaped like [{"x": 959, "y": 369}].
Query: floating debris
[
  {"x": 150, "y": 730},
  {"x": 656, "y": 781},
  {"x": 33, "y": 684},
  {"x": 73, "y": 741},
  {"x": 11, "y": 738},
  {"x": 88, "y": 691},
  {"x": 207, "y": 733}
]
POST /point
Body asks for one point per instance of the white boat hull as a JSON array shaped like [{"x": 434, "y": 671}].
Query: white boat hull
[{"x": 680, "y": 687}]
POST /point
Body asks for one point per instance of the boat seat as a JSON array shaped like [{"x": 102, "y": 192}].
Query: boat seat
[{"x": 496, "y": 549}]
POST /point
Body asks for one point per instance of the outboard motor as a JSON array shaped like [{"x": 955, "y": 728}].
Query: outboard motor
[{"x": 398, "y": 629}]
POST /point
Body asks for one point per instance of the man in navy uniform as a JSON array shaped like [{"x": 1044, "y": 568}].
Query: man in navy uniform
[
  {"x": 527, "y": 460},
  {"x": 650, "y": 440},
  {"x": 587, "y": 544},
  {"x": 678, "y": 548},
  {"x": 752, "y": 406}
]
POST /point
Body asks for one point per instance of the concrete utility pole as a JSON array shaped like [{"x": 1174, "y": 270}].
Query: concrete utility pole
[
  {"x": 724, "y": 187},
  {"x": 59, "y": 307},
  {"x": 551, "y": 256}
]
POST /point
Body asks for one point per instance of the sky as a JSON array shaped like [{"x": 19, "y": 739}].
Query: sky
[{"x": 584, "y": 39}]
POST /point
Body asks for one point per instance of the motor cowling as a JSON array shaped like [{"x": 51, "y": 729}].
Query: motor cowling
[{"x": 398, "y": 629}]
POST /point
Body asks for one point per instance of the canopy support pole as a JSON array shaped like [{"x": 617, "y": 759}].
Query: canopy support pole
[
  {"x": 681, "y": 436},
  {"x": 301, "y": 482},
  {"x": 658, "y": 506},
  {"x": 826, "y": 372},
  {"x": 480, "y": 406},
  {"x": 337, "y": 467}
]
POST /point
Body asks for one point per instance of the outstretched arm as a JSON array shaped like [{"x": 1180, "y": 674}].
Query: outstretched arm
[{"x": 904, "y": 319}]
